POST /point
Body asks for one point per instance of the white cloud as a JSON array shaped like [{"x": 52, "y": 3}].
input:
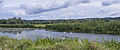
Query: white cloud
[
  {"x": 56, "y": 9},
  {"x": 19, "y": 12}
]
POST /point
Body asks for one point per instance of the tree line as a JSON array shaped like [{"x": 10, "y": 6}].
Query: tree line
[
  {"x": 16, "y": 20},
  {"x": 51, "y": 21},
  {"x": 13, "y": 20}
]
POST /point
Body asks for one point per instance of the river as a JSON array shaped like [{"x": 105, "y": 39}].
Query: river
[{"x": 30, "y": 33}]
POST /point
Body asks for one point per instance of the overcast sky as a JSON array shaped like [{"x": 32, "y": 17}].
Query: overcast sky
[{"x": 59, "y": 9}]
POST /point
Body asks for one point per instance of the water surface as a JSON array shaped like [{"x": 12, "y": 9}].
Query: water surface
[{"x": 30, "y": 33}]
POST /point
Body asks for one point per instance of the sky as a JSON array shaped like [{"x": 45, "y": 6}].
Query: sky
[{"x": 59, "y": 9}]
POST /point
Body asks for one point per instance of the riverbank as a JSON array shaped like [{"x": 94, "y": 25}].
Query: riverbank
[
  {"x": 92, "y": 26},
  {"x": 23, "y": 25},
  {"x": 16, "y": 26},
  {"x": 7, "y": 43},
  {"x": 88, "y": 26}
]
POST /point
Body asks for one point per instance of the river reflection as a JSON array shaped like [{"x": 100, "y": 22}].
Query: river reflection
[
  {"x": 29, "y": 33},
  {"x": 15, "y": 30}
]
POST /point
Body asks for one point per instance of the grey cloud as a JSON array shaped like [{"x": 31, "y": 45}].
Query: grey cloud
[
  {"x": 84, "y": 1},
  {"x": 108, "y": 3},
  {"x": 1, "y": 1},
  {"x": 113, "y": 14},
  {"x": 40, "y": 9}
]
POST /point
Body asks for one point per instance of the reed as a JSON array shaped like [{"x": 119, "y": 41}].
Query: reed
[{"x": 7, "y": 43}]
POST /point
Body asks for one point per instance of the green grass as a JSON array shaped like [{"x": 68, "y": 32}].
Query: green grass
[
  {"x": 7, "y": 43},
  {"x": 41, "y": 25}
]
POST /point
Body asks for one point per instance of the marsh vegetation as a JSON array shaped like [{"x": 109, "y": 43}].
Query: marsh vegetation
[
  {"x": 7, "y": 43},
  {"x": 90, "y": 26}
]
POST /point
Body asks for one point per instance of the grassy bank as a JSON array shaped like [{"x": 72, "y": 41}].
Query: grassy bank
[
  {"x": 90, "y": 26},
  {"x": 7, "y": 43},
  {"x": 41, "y": 25},
  {"x": 23, "y": 25},
  {"x": 16, "y": 26}
]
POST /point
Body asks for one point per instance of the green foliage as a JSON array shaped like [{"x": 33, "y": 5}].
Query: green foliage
[
  {"x": 51, "y": 21},
  {"x": 13, "y": 20},
  {"x": 89, "y": 26},
  {"x": 7, "y": 43}
]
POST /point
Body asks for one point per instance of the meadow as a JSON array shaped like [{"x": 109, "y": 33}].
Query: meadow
[{"x": 40, "y": 25}]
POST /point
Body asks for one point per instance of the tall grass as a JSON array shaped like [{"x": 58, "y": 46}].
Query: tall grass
[{"x": 7, "y": 43}]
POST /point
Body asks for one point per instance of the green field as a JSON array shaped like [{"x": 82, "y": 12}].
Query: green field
[{"x": 40, "y": 25}]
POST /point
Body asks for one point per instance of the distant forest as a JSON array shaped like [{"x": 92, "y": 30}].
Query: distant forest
[{"x": 16, "y": 20}]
